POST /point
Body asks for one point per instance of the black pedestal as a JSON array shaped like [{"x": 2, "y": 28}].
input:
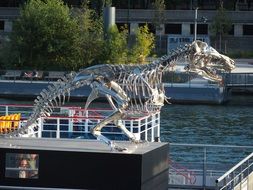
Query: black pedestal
[{"x": 82, "y": 164}]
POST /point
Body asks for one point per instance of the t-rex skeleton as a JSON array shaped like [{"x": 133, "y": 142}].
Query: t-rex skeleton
[{"x": 136, "y": 88}]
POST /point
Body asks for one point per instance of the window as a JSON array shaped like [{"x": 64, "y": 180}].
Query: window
[
  {"x": 201, "y": 28},
  {"x": 11, "y": 3},
  {"x": 151, "y": 27},
  {"x": 132, "y": 4},
  {"x": 247, "y": 29},
  {"x": 173, "y": 29},
  {"x": 1, "y": 24},
  {"x": 231, "y": 31},
  {"x": 22, "y": 166},
  {"x": 75, "y": 3},
  {"x": 122, "y": 26}
]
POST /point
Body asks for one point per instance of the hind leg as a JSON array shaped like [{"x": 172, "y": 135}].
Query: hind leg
[
  {"x": 96, "y": 131},
  {"x": 129, "y": 134}
]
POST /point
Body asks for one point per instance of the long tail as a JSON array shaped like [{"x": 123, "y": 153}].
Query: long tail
[{"x": 55, "y": 95}]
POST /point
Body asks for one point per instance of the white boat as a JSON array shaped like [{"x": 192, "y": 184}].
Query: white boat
[{"x": 76, "y": 122}]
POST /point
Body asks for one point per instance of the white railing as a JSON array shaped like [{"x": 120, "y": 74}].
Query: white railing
[
  {"x": 26, "y": 110},
  {"x": 75, "y": 122},
  {"x": 146, "y": 127},
  {"x": 200, "y": 165},
  {"x": 6, "y": 109},
  {"x": 238, "y": 177}
]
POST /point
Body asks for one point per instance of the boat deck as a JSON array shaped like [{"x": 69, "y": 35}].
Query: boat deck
[{"x": 75, "y": 145}]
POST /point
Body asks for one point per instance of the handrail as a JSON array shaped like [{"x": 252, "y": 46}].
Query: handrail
[
  {"x": 234, "y": 168},
  {"x": 204, "y": 162},
  {"x": 191, "y": 177},
  {"x": 234, "y": 177},
  {"x": 31, "y": 105},
  {"x": 210, "y": 145}
]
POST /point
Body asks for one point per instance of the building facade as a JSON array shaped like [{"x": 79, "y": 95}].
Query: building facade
[{"x": 177, "y": 22}]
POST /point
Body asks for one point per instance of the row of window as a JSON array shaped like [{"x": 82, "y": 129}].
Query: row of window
[
  {"x": 146, "y": 4},
  {"x": 201, "y": 28},
  {"x": 177, "y": 28}
]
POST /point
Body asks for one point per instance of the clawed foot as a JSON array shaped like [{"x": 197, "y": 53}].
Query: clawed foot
[
  {"x": 118, "y": 148},
  {"x": 138, "y": 141}
]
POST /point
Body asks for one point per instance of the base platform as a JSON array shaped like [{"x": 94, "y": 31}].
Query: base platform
[{"x": 82, "y": 164}]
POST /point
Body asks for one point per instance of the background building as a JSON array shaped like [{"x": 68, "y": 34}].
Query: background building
[{"x": 178, "y": 20}]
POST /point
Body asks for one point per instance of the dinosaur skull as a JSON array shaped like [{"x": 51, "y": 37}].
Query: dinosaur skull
[{"x": 207, "y": 62}]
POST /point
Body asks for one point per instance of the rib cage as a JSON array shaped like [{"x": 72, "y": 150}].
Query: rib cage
[
  {"x": 140, "y": 87},
  {"x": 141, "y": 84}
]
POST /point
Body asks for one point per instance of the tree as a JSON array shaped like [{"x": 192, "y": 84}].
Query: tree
[
  {"x": 91, "y": 37},
  {"x": 50, "y": 35},
  {"x": 45, "y": 36},
  {"x": 221, "y": 24},
  {"x": 159, "y": 18},
  {"x": 143, "y": 45},
  {"x": 115, "y": 49},
  {"x": 107, "y": 3}
]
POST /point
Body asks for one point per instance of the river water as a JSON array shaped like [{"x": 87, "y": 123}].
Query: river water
[{"x": 229, "y": 124}]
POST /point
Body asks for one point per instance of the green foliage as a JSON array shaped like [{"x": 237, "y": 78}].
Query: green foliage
[
  {"x": 159, "y": 18},
  {"x": 45, "y": 36},
  {"x": 143, "y": 45},
  {"x": 221, "y": 23},
  {"x": 107, "y": 3},
  {"x": 115, "y": 49},
  {"x": 49, "y": 35},
  {"x": 8, "y": 58},
  {"x": 90, "y": 35}
]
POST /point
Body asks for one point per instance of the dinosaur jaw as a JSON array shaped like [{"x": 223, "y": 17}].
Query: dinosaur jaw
[{"x": 207, "y": 62}]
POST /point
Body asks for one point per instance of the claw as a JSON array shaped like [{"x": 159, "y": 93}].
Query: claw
[{"x": 117, "y": 148}]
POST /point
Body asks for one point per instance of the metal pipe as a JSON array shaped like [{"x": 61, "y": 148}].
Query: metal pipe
[
  {"x": 204, "y": 168},
  {"x": 195, "y": 23},
  {"x": 235, "y": 167}
]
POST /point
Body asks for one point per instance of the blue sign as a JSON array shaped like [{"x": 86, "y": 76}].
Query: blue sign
[{"x": 175, "y": 41}]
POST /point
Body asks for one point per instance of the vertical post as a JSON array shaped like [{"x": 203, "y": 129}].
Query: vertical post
[
  {"x": 189, "y": 80},
  {"x": 6, "y": 110},
  {"x": 225, "y": 47},
  {"x": 128, "y": 12},
  {"x": 204, "y": 169},
  {"x": 109, "y": 18},
  {"x": 58, "y": 128},
  {"x": 40, "y": 124},
  {"x": 158, "y": 126},
  {"x": 146, "y": 129},
  {"x": 248, "y": 173},
  {"x": 220, "y": 40},
  {"x": 195, "y": 23},
  {"x": 233, "y": 179},
  {"x": 160, "y": 39}
]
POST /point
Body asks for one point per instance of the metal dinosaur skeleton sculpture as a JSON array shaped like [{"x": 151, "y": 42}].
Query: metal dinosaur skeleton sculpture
[{"x": 134, "y": 88}]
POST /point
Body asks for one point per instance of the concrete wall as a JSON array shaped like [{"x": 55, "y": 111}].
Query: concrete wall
[
  {"x": 246, "y": 184},
  {"x": 231, "y": 43}
]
